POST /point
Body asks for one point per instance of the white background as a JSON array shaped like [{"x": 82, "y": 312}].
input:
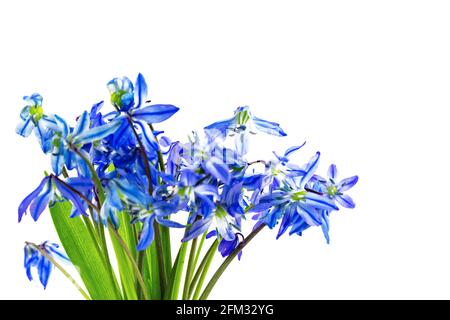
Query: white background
[{"x": 365, "y": 82}]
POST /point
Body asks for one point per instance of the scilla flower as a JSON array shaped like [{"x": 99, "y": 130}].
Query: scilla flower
[
  {"x": 38, "y": 257},
  {"x": 33, "y": 119}
]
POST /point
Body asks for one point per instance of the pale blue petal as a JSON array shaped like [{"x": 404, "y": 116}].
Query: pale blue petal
[
  {"x": 218, "y": 170},
  {"x": 198, "y": 227},
  {"x": 268, "y": 127},
  {"x": 25, "y": 127},
  {"x": 332, "y": 172},
  {"x": 291, "y": 150},
  {"x": 27, "y": 201},
  {"x": 310, "y": 169},
  {"x": 41, "y": 202},
  {"x": 63, "y": 127},
  {"x": 140, "y": 91},
  {"x": 97, "y": 133},
  {"x": 155, "y": 113},
  {"x": 345, "y": 201},
  {"x": 82, "y": 124},
  {"x": 320, "y": 202},
  {"x": 347, "y": 183},
  {"x": 147, "y": 233}
]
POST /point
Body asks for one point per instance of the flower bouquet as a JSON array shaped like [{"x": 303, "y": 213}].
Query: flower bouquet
[{"x": 118, "y": 186}]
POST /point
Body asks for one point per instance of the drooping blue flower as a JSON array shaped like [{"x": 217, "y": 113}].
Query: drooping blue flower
[
  {"x": 67, "y": 139},
  {"x": 32, "y": 118},
  {"x": 227, "y": 247},
  {"x": 33, "y": 258},
  {"x": 45, "y": 194}
]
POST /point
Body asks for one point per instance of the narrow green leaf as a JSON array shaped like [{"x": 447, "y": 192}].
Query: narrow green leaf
[
  {"x": 127, "y": 274},
  {"x": 77, "y": 243},
  {"x": 177, "y": 272}
]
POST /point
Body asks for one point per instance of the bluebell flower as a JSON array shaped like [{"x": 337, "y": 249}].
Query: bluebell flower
[
  {"x": 35, "y": 259},
  {"x": 33, "y": 119},
  {"x": 335, "y": 190},
  {"x": 227, "y": 247},
  {"x": 45, "y": 194},
  {"x": 131, "y": 101},
  {"x": 296, "y": 206},
  {"x": 66, "y": 140}
]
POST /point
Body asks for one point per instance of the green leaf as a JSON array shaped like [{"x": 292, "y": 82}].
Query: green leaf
[
  {"x": 177, "y": 272},
  {"x": 84, "y": 253},
  {"x": 127, "y": 273}
]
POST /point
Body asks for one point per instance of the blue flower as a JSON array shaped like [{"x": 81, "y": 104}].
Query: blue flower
[
  {"x": 33, "y": 258},
  {"x": 33, "y": 119},
  {"x": 131, "y": 100},
  {"x": 67, "y": 140},
  {"x": 296, "y": 206},
  {"x": 38, "y": 200},
  {"x": 242, "y": 123},
  {"x": 335, "y": 190},
  {"x": 227, "y": 247}
]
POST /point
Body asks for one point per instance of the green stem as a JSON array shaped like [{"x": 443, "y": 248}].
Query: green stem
[
  {"x": 190, "y": 269},
  {"x": 140, "y": 268},
  {"x": 165, "y": 232},
  {"x": 60, "y": 268},
  {"x": 161, "y": 264},
  {"x": 199, "y": 250},
  {"x": 203, "y": 269},
  {"x": 139, "y": 277},
  {"x": 177, "y": 273},
  {"x": 227, "y": 262}
]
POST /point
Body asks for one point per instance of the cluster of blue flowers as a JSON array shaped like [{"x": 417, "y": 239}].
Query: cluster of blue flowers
[{"x": 144, "y": 174}]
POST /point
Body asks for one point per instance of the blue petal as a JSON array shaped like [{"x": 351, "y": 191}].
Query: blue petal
[
  {"x": 198, "y": 227},
  {"x": 320, "y": 202},
  {"x": 155, "y": 113},
  {"x": 147, "y": 136},
  {"x": 286, "y": 221},
  {"x": 97, "y": 133},
  {"x": 54, "y": 248},
  {"x": 44, "y": 270},
  {"x": 71, "y": 196},
  {"x": 57, "y": 158},
  {"x": 82, "y": 124},
  {"x": 293, "y": 149},
  {"x": 268, "y": 127},
  {"x": 347, "y": 183},
  {"x": 218, "y": 170},
  {"x": 310, "y": 168},
  {"x": 309, "y": 214},
  {"x": 345, "y": 201},
  {"x": 25, "y": 127},
  {"x": 41, "y": 202},
  {"x": 147, "y": 233},
  {"x": 169, "y": 223},
  {"x": 207, "y": 190},
  {"x": 63, "y": 127},
  {"x": 81, "y": 184},
  {"x": 44, "y": 136},
  {"x": 325, "y": 226},
  {"x": 220, "y": 127},
  {"x": 131, "y": 191},
  {"x": 140, "y": 91},
  {"x": 211, "y": 234},
  {"x": 224, "y": 229},
  {"x": 332, "y": 172},
  {"x": 27, "y": 201}
]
